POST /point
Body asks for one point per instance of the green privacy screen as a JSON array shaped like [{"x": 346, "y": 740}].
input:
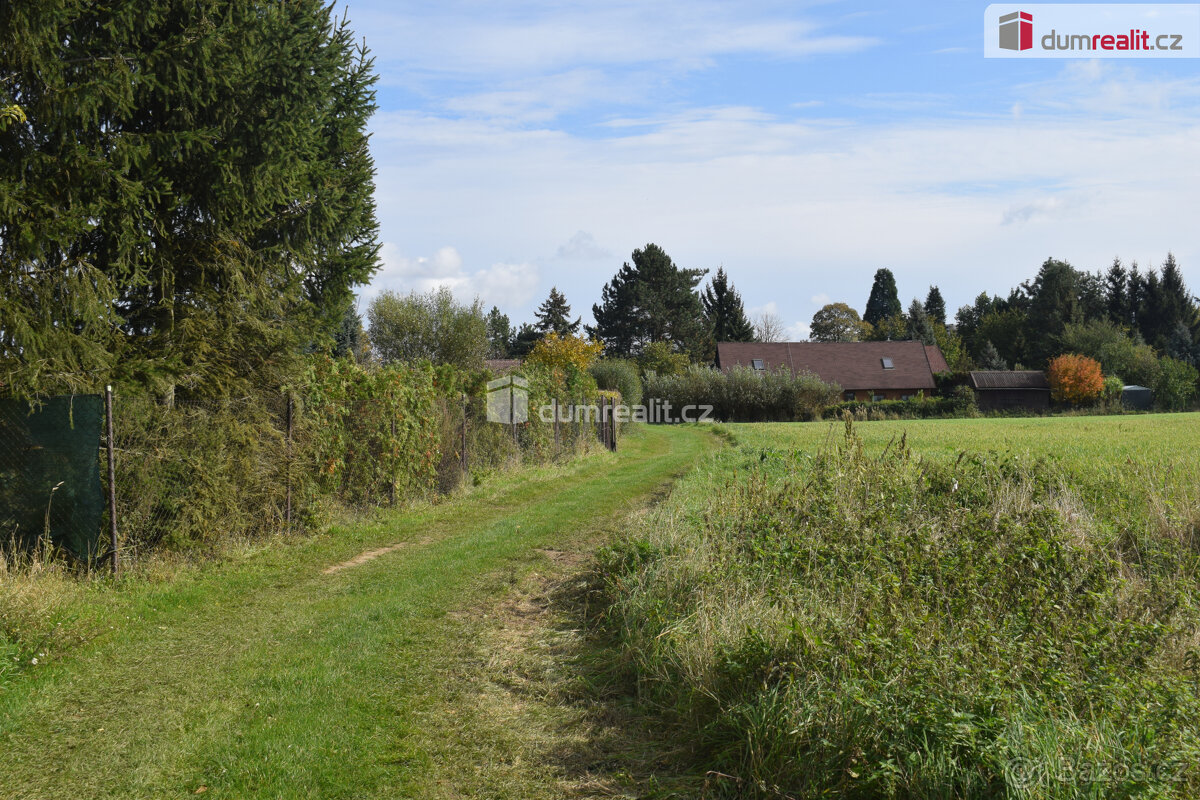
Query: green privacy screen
[{"x": 50, "y": 473}]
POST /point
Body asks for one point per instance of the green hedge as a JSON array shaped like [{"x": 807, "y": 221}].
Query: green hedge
[
  {"x": 743, "y": 394},
  {"x": 923, "y": 408},
  {"x": 192, "y": 473}
]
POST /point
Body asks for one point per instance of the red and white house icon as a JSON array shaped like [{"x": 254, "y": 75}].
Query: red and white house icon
[{"x": 1016, "y": 31}]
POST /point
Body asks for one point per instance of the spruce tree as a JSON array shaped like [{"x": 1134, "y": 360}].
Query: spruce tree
[
  {"x": 920, "y": 327},
  {"x": 1116, "y": 292},
  {"x": 724, "y": 311},
  {"x": 884, "y": 302},
  {"x": 990, "y": 357},
  {"x": 1054, "y": 303},
  {"x": 192, "y": 179},
  {"x": 935, "y": 306},
  {"x": 499, "y": 332},
  {"x": 554, "y": 315}
]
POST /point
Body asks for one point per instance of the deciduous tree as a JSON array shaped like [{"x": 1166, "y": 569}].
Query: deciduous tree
[
  {"x": 838, "y": 322},
  {"x": 1074, "y": 378}
]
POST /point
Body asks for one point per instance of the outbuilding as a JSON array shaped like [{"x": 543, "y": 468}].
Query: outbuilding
[
  {"x": 1011, "y": 389},
  {"x": 1137, "y": 398}
]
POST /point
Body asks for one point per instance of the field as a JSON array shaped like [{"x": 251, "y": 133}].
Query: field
[
  {"x": 935, "y": 609},
  {"x": 974, "y": 608}
]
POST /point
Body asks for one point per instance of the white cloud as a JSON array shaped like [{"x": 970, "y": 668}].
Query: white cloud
[
  {"x": 503, "y": 284},
  {"x": 798, "y": 331},
  {"x": 581, "y": 247},
  {"x": 820, "y": 299}
]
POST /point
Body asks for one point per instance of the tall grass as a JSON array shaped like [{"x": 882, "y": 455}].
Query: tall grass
[{"x": 835, "y": 622}]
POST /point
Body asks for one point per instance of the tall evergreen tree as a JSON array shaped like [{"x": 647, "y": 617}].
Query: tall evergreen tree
[
  {"x": 554, "y": 315},
  {"x": 1053, "y": 304},
  {"x": 651, "y": 300},
  {"x": 990, "y": 357},
  {"x": 617, "y": 324},
  {"x": 350, "y": 340},
  {"x": 1116, "y": 293},
  {"x": 724, "y": 310},
  {"x": 193, "y": 175},
  {"x": 884, "y": 301},
  {"x": 499, "y": 333},
  {"x": 524, "y": 340},
  {"x": 1151, "y": 319},
  {"x": 920, "y": 327},
  {"x": 1090, "y": 291},
  {"x": 935, "y": 306},
  {"x": 1135, "y": 293}
]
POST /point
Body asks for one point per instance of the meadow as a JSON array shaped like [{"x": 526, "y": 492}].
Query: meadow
[{"x": 966, "y": 608}]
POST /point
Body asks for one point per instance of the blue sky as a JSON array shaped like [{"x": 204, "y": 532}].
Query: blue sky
[{"x": 799, "y": 145}]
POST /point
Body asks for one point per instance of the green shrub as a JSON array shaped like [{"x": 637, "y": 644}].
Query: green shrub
[
  {"x": 743, "y": 394},
  {"x": 620, "y": 375},
  {"x": 960, "y": 404},
  {"x": 1175, "y": 386}
]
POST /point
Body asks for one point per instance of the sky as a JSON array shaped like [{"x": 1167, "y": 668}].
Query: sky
[{"x": 801, "y": 146}]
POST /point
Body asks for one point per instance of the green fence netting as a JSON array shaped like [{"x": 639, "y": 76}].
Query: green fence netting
[{"x": 50, "y": 473}]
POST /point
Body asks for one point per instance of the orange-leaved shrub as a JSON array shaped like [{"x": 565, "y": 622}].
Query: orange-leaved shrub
[{"x": 1074, "y": 378}]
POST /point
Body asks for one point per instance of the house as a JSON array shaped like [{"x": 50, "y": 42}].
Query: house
[
  {"x": 864, "y": 370},
  {"x": 999, "y": 390}
]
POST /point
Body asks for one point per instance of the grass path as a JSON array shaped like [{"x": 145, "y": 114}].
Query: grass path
[{"x": 271, "y": 677}]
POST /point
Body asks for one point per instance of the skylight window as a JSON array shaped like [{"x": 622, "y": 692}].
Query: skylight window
[
  {"x": 757, "y": 363},
  {"x": 887, "y": 363}
]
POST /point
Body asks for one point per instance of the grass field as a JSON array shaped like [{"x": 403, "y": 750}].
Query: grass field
[
  {"x": 281, "y": 675},
  {"x": 974, "y": 608}
]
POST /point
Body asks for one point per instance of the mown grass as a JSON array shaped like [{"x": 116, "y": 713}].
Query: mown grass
[
  {"x": 263, "y": 676},
  {"x": 936, "y": 609}
]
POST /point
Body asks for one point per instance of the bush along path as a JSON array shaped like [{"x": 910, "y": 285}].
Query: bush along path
[{"x": 328, "y": 668}]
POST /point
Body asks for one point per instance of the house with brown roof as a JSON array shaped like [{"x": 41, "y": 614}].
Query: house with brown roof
[{"x": 864, "y": 370}]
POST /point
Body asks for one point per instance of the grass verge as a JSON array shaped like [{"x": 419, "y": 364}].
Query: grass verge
[
  {"x": 265, "y": 677},
  {"x": 827, "y": 612}
]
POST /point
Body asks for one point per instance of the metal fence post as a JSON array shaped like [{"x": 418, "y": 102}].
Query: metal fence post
[{"x": 112, "y": 481}]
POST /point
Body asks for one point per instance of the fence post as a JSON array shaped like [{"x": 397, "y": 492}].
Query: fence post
[
  {"x": 555, "y": 402},
  {"x": 464, "y": 434},
  {"x": 391, "y": 446},
  {"x": 112, "y": 481},
  {"x": 604, "y": 421},
  {"x": 614, "y": 427},
  {"x": 512, "y": 411},
  {"x": 287, "y": 477}
]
